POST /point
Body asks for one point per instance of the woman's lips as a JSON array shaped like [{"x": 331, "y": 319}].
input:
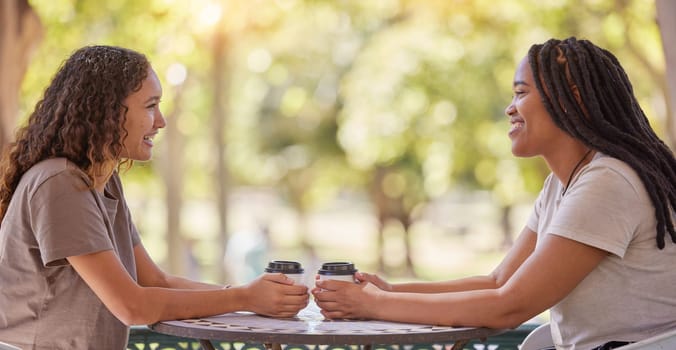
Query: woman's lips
[{"x": 517, "y": 124}]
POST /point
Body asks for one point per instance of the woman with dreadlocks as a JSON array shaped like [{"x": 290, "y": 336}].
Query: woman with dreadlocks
[
  {"x": 594, "y": 250},
  {"x": 73, "y": 271}
]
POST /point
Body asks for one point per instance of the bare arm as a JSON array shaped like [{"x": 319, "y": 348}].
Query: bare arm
[
  {"x": 537, "y": 284},
  {"x": 270, "y": 294},
  {"x": 522, "y": 248},
  {"x": 150, "y": 275}
]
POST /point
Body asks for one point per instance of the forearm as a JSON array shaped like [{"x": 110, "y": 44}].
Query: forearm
[
  {"x": 159, "y": 304},
  {"x": 479, "y": 308},
  {"x": 150, "y": 275},
  {"x": 523, "y": 247},
  {"x": 184, "y": 283},
  {"x": 272, "y": 295},
  {"x": 463, "y": 284}
]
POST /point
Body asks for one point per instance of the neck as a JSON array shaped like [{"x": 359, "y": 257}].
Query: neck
[
  {"x": 576, "y": 168},
  {"x": 564, "y": 164},
  {"x": 100, "y": 181}
]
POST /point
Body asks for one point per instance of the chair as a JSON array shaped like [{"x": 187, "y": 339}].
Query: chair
[
  {"x": 541, "y": 338},
  {"x": 5, "y": 346}
]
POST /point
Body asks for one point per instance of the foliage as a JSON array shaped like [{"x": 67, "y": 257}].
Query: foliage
[{"x": 324, "y": 93}]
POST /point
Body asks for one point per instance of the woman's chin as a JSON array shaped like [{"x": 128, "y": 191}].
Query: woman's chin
[{"x": 519, "y": 151}]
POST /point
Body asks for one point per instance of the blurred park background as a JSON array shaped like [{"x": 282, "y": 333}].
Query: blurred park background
[{"x": 320, "y": 130}]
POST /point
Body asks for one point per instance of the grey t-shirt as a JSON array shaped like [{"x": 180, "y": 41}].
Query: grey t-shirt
[
  {"x": 44, "y": 304},
  {"x": 630, "y": 295}
]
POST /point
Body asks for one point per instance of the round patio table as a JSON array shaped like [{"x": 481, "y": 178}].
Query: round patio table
[{"x": 310, "y": 328}]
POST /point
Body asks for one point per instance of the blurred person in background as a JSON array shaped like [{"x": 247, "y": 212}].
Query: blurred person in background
[
  {"x": 247, "y": 253},
  {"x": 595, "y": 250},
  {"x": 74, "y": 273}
]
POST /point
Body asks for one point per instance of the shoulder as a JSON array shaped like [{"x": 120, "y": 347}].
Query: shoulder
[
  {"x": 54, "y": 166},
  {"x": 550, "y": 188},
  {"x": 57, "y": 173},
  {"x": 613, "y": 173}
]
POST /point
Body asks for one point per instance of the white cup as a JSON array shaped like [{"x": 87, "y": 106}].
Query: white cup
[
  {"x": 296, "y": 277},
  {"x": 348, "y": 278},
  {"x": 291, "y": 269},
  {"x": 341, "y": 271}
]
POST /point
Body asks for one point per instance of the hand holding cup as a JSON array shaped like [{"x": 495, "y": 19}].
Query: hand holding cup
[{"x": 291, "y": 269}]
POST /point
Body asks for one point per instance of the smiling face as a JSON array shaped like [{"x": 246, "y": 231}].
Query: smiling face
[
  {"x": 533, "y": 131},
  {"x": 143, "y": 120}
]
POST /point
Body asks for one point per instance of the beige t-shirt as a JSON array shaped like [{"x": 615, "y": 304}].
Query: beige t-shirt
[
  {"x": 630, "y": 295},
  {"x": 44, "y": 304}
]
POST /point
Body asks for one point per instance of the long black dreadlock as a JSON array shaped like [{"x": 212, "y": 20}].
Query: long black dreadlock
[{"x": 589, "y": 96}]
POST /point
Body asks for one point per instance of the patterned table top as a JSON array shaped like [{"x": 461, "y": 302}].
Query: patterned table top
[{"x": 310, "y": 327}]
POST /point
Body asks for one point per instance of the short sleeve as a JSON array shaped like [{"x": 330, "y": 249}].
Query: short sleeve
[
  {"x": 67, "y": 219},
  {"x": 534, "y": 218},
  {"x": 603, "y": 209},
  {"x": 135, "y": 237}
]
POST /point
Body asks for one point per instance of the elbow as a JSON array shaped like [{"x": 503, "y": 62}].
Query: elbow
[
  {"x": 516, "y": 310},
  {"x": 509, "y": 321},
  {"x": 135, "y": 311},
  {"x": 133, "y": 316}
]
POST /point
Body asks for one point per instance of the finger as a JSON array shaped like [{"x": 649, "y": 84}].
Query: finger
[
  {"x": 278, "y": 278},
  {"x": 321, "y": 284},
  {"x": 295, "y": 300},
  {"x": 330, "y": 284},
  {"x": 368, "y": 277},
  {"x": 334, "y": 315},
  {"x": 300, "y": 289},
  {"x": 325, "y": 295},
  {"x": 329, "y": 306},
  {"x": 294, "y": 308},
  {"x": 294, "y": 289}
]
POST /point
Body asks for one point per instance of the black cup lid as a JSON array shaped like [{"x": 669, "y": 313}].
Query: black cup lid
[
  {"x": 284, "y": 266},
  {"x": 337, "y": 268}
]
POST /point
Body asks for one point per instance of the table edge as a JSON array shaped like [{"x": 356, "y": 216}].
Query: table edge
[{"x": 326, "y": 338}]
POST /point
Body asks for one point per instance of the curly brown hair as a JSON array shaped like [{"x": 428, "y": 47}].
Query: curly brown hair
[{"x": 80, "y": 117}]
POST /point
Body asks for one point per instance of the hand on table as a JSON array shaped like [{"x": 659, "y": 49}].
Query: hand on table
[
  {"x": 275, "y": 295},
  {"x": 340, "y": 299}
]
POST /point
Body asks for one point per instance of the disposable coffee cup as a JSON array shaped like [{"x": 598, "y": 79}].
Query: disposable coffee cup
[
  {"x": 342, "y": 271},
  {"x": 291, "y": 269}
]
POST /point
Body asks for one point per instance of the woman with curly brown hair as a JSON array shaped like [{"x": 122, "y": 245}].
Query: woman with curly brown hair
[
  {"x": 73, "y": 271},
  {"x": 598, "y": 249}
]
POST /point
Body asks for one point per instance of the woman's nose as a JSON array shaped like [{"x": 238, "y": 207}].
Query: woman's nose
[
  {"x": 510, "y": 109},
  {"x": 160, "y": 122}
]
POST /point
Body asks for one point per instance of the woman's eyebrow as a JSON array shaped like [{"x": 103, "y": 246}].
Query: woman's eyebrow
[
  {"x": 152, "y": 99},
  {"x": 519, "y": 82}
]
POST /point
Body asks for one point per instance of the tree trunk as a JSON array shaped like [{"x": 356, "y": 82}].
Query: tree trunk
[
  {"x": 506, "y": 225},
  {"x": 173, "y": 181},
  {"x": 390, "y": 209},
  {"x": 20, "y": 32},
  {"x": 666, "y": 20},
  {"x": 408, "y": 245},
  {"x": 219, "y": 70}
]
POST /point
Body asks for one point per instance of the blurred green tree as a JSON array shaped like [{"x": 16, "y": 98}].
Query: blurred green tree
[
  {"x": 400, "y": 100},
  {"x": 20, "y": 33}
]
